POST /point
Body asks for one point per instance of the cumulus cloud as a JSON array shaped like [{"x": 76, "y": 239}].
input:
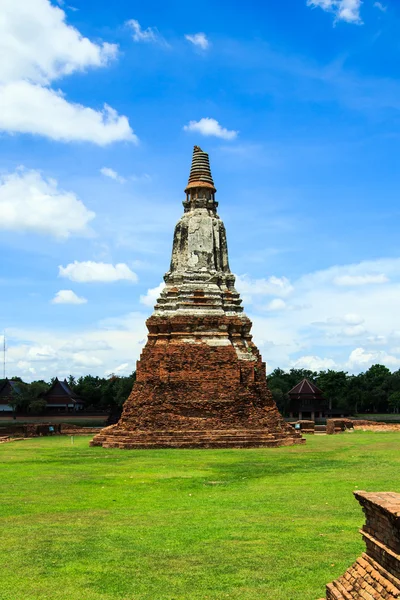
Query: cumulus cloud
[
  {"x": 210, "y": 127},
  {"x": 68, "y": 297},
  {"x": 361, "y": 358},
  {"x": 83, "y": 359},
  {"x": 31, "y": 203},
  {"x": 276, "y": 304},
  {"x": 314, "y": 363},
  {"x": 330, "y": 320},
  {"x": 198, "y": 39},
  {"x": 101, "y": 349},
  {"x": 344, "y": 10},
  {"x": 271, "y": 286},
  {"x": 35, "y": 109},
  {"x": 356, "y": 280},
  {"x": 353, "y": 319},
  {"x": 85, "y": 345},
  {"x": 90, "y": 271},
  {"x": 107, "y": 172},
  {"x": 152, "y": 295},
  {"x": 41, "y": 48},
  {"x": 143, "y": 35}
]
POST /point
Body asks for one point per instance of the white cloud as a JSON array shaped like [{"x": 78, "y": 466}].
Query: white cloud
[
  {"x": 90, "y": 271},
  {"x": 107, "y": 172},
  {"x": 68, "y": 297},
  {"x": 32, "y": 108},
  {"x": 344, "y": 10},
  {"x": 198, "y": 39},
  {"x": 380, "y": 6},
  {"x": 272, "y": 286},
  {"x": 40, "y": 353},
  {"x": 329, "y": 317},
  {"x": 31, "y": 203},
  {"x": 124, "y": 368},
  {"x": 353, "y": 330},
  {"x": 143, "y": 35},
  {"x": 276, "y": 304},
  {"x": 86, "y": 345},
  {"x": 210, "y": 127},
  {"x": 361, "y": 358},
  {"x": 83, "y": 359},
  {"x": 41, "y": 48},
  {"x": 103, "y": 349},
  {"x": 152, "y": 295},
  {"x": 314, "y": 363},
  {"x": 353, "y": 319},
  {"x": 356, "y": 280}
]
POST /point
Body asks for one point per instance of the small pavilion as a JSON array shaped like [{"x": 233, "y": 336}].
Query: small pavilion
[
  {"x": 7, "y": 390},
  {"x": 61, "y": 398},
  {"x": 307, "y": 401}
]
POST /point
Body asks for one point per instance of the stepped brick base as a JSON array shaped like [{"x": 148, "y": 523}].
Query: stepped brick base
[
  {"x": 112, "y": 437},
  {"x": 377, "y": 573},
  {"x": 200, "y": 382}
]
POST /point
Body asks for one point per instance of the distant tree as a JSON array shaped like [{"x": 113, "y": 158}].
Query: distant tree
[
  {"x": 14, "y": 400},
  {"x": 334, "y": 385},
  {"x": 377, "y": 382},
  {"x": 394, "y": 402},
  {"x": 89, "y": 388},
  {"x": 71, "y": 381},
  {"x": 281, "y": 399},
  {"x": 38, "y": 406},
  {"x": 30, "y": 392}
]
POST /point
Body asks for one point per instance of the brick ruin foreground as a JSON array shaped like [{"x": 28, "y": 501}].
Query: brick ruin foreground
[
  {"x": 376, "y": 574},
  {"x": 200, "y": 381}
]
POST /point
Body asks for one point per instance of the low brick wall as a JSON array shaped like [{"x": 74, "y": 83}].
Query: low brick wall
[
  {"x": 338, "y": 425},
  {"x": 30, "y": 430},
  {"x": 68, "y": 429},
  {"x": 307, "y": 426},
  {"x": 376, "y": 574}
]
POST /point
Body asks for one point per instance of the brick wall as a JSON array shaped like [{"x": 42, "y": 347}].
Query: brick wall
[{"x": 376, "y": 574}]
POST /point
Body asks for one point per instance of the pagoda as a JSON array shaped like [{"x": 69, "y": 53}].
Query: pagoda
[{"x": 200, "y": 380}]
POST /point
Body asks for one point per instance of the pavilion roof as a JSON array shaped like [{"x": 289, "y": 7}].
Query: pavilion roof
[{"x": 305, "y": 388}]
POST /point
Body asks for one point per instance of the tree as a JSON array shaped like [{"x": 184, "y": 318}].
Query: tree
[
  {"x": 30, "y": 392},
  {"x": 377, "y": 380},
  {"x": 334, "y": 386},
  {"x": 38, "y": 406},
  {"x": 394, "y": 401},
  {"x": 281, "y": 399},
  {"x": 14, "y": 400}
]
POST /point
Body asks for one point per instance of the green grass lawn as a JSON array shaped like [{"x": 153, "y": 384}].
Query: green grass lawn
[{"x": 80, "y": 523}]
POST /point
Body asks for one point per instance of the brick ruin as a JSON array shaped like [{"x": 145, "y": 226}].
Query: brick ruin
[
  {"x": 376, "y": 574},
  {"x": 200, "y": 380}
]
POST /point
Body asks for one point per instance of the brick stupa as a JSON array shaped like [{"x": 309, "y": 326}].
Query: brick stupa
[{"x": 200, "y": 380}]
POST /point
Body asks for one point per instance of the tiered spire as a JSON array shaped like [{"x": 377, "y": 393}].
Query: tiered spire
[{"x": 200, "y": 172}]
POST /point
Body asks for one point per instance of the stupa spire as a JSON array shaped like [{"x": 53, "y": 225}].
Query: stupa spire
[{"x": 200, "y": 172}]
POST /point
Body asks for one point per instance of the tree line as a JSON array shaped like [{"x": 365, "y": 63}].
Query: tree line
[
  {"x": 105, "y": 394},
  {"x": 377, "y": 390}
]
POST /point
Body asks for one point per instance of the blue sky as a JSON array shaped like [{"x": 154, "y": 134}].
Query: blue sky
[{"x": 297, "y": 104}]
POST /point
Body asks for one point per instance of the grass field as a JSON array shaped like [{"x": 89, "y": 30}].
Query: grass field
[{"x": 82, "y": 523}]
